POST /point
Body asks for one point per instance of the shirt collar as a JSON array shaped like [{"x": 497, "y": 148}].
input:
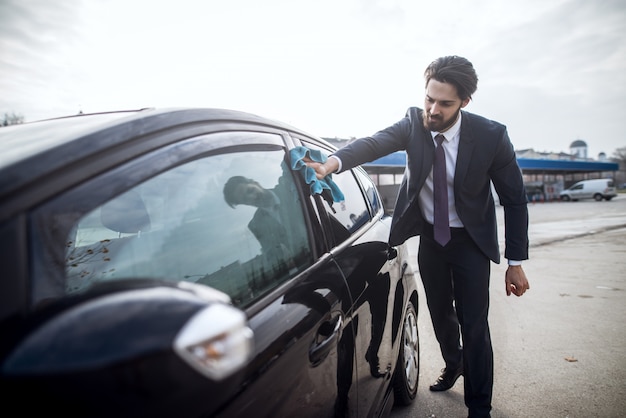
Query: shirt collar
[{"x": 452, "y": 132}]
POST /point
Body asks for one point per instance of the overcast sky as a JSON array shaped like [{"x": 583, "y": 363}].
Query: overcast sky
[{"x": 553, "y": 71}]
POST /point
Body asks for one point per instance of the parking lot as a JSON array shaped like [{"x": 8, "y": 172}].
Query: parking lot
[{"x": 559, "y": 350}]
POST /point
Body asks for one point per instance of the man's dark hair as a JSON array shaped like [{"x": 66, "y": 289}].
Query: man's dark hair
[
  {"x": 230, "y": 190},
  {"x": 454, "y": 70}
]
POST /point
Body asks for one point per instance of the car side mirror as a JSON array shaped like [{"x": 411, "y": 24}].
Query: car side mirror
[{"x": 165, "y": 341}]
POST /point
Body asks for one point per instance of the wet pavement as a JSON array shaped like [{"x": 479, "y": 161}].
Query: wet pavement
[{"x": 560, "y": 350}]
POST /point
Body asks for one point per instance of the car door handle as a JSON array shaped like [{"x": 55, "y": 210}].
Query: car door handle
[{"x": 326, "y": 338}]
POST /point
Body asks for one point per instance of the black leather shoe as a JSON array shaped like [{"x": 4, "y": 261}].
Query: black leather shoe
[{"x": 447, "y": 379}]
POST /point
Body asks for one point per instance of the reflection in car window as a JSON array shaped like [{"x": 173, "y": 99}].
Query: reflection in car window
[
  {"x": 351, "y": 213},
  {"x": 231, "y": 221}
]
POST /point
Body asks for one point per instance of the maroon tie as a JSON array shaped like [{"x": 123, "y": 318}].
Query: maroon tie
[{"x": 440, "y": 194}]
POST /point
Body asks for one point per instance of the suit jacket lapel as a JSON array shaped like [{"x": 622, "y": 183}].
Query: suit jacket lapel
[
  {"x": 466, "y": 149},
  {"x": 428, "y": 156}
]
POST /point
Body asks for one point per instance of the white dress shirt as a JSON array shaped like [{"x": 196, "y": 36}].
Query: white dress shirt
[{"x": 451, "y": 149}]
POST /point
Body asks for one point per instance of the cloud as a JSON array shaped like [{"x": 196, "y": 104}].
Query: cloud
[{"x": 551, "y": 70}]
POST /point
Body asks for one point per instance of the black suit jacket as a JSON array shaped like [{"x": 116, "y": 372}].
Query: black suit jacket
[{"x": 485, "y": 154}]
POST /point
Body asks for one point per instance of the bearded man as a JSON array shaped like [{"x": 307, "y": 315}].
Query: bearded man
[{"x": 453, "y": 158}]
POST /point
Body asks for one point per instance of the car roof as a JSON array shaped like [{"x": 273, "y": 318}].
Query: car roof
[
  {"x": 31, "y": 150},
  {"x": 24, "y": 140}
]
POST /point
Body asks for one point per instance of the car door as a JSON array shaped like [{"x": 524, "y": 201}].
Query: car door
[
  {"x": 184, "y": 213},
  {"x": 373, "y": 275},
  {"x": 578, "y": 191}
]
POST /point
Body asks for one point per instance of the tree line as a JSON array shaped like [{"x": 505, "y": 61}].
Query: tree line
[{"x": 12, "y": 119}]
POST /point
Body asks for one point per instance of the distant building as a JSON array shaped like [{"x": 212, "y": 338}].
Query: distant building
[
  {"x": 339, "y": 142},
  {"x": 536, "y": 155},
  {"x": 579, "y": 149}
]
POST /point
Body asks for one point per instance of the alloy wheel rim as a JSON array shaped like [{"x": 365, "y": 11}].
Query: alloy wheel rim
[{"x": 411, "y": 349}]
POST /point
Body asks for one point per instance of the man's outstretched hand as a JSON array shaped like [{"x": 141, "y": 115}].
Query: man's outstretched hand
[{"x": 322, "y": 169}]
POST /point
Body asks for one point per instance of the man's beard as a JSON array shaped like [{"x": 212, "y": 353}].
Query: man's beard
[
  {"x": 437, "y": 123},
  {"x": 265, "y": 199}
]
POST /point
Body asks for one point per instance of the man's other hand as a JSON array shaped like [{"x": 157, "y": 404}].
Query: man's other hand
[{"x": 516, "y": 281}]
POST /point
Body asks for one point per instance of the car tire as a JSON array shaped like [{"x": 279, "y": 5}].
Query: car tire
[
  {"x": 565, "y": 198},
  {"x": 406, "y": 374},
  {"x": 597, "y": 197}
]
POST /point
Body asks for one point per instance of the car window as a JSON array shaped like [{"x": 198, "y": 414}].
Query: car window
[
  {"x": 233, "y": 221},
  {"x": 352, "y": 213},
  {"x": 371, "y": 193},
  {"x": 349, "y": 215}
]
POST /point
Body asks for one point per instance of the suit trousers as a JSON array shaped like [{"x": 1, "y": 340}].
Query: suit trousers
[{"x": 456, "y": 284}]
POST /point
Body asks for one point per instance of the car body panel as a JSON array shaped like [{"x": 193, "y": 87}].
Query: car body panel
[{"x": 286, "y": 377}]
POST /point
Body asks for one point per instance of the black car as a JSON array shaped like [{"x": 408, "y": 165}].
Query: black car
[{"x": 177, "y": 262}]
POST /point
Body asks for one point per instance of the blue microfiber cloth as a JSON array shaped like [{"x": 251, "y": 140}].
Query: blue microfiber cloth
[{"x": 317, "y": 186}]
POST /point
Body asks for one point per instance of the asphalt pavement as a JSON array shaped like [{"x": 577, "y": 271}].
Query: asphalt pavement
[{"x": 559, "y": 350}]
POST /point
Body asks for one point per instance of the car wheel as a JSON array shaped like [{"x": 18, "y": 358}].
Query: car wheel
[
  {"x": 597, "y": 197},
  {"x": 406, "y": 375},
  {"x": 565, "y": 198}
]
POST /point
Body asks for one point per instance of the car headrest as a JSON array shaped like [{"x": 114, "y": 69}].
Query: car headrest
[{"x": 126, "y": 213}]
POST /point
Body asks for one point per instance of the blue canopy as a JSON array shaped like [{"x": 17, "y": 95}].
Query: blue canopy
[{"x": 398, "y": 159}]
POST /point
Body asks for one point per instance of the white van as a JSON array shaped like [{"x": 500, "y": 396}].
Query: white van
[{"x": 597, "y": 189}]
